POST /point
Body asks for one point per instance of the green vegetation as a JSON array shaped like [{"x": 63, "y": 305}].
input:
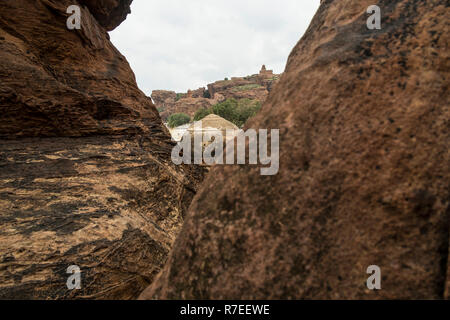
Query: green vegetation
[
  {"x": 161, "y": 109},
  {"x": 247, "y": 87},
  {"x": 207, "y": 94},
  {"x": 246, "y": 109},
  {"x": 180, "y": 96},
  {"x": 178, "y": 119},
  {"x": 200, "y": 114},
  {"x": 226, "y": 110},
  {"x": 236, "y": 111}
]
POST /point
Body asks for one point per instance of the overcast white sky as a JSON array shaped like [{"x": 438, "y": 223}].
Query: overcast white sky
[{"x": 180, "y": 45}]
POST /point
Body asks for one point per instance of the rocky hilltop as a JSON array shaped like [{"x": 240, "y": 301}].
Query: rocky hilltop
[
  {"x": 255, "y": 87},
  {"x": 85, "y": 172},
  {"x": 364, "y": 172}
]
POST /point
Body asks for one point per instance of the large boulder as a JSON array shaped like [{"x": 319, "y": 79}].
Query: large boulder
[
  {"x": 86, "y": 177},
  {"x": 109, "y": 13},
  {"x": 364, "y": 172}
]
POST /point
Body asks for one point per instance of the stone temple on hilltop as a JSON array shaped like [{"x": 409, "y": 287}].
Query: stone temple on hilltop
[{"x": 265, "y": 72}]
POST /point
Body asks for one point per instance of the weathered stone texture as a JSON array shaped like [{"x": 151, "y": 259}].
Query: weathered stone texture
[
  {"x": 364, "y": 171},
  {"x": 85, "y": 172},
  {"x": 255, "y": 87}
]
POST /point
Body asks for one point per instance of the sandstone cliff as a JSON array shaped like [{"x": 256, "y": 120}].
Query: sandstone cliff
[
  {"x": 254, "y": 87},
  {"x": 85, "y": 171},
  {"x": 364, "y": 171},
  {"x": 188, "y": 104}
]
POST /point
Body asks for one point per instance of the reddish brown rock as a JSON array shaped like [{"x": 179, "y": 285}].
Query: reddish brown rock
[
  {"x": 255, "y": 87},
  {"x": 186, "y": 105},
  {"x": 364, "y": 175},
  {"x": 447, "y": 290},
  {"x": 163, "y": 98},
  {"x": 168, "y": 104},
  {"x": 199, "y": 93},
  {"x": 59, "y": 82},
  {"x": 109, "y": 13},
  {"x": 86, "y": 177}
]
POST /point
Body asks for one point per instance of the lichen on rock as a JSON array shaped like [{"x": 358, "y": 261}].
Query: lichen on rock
[
  {"x": 364, "y": 171},
  {"x": 86, "y": 177}
]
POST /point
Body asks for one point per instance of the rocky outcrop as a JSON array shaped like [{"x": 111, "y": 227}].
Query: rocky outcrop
[
  {"x": 109, "y": 13},
  {"x": 255, "y": 87},
  {"x": 199, "y": 93},
  {"x": 85, "y": 172},
  {"x": 163, "y": 98},
  {"x": 168, "y": 103},
  {"x": 186, "y": 105},
  {"x": 363, "y": 118},
  {"x": 57, "y": 82},
  {"x": 238, "y": 88}
]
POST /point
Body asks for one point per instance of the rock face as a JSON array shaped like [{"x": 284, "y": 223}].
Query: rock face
[
  {"x": 168, "y": 104},
  {"x": 199, "y": 93},
  {"x": 364, "y": 175},
  {"x": 85, "y": 172},
  {"x": 186, "y": 105},
  {"x": 109, "y": 13},
  {"x": 255, "y": 87},
  {"x": 162, "y": 98}
]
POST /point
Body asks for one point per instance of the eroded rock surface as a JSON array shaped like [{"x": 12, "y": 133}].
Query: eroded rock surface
[
  {"x": 255, "y": 87},
  {"x": 109, "y": 13},
  {"x": 186, "y": 105},
  {"x": 85, "y": 172},
  {"x": 364, "y": 175}
]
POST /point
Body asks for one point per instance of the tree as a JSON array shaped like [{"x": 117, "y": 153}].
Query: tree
[
  {"x": 246, "y": 109},
  {"x": 226, "y": 109},
  {"x": 200, "y": 114},
  {"x": 178, "y": 119},
  {"x": 237, "y": 111}
]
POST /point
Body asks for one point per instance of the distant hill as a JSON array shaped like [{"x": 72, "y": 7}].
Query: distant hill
[{"x": 254, "y": 87}]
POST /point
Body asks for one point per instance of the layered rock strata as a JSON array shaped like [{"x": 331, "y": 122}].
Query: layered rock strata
[
  {"x": 85, "y": 172},
  {"x": 364, "y": 172}
]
